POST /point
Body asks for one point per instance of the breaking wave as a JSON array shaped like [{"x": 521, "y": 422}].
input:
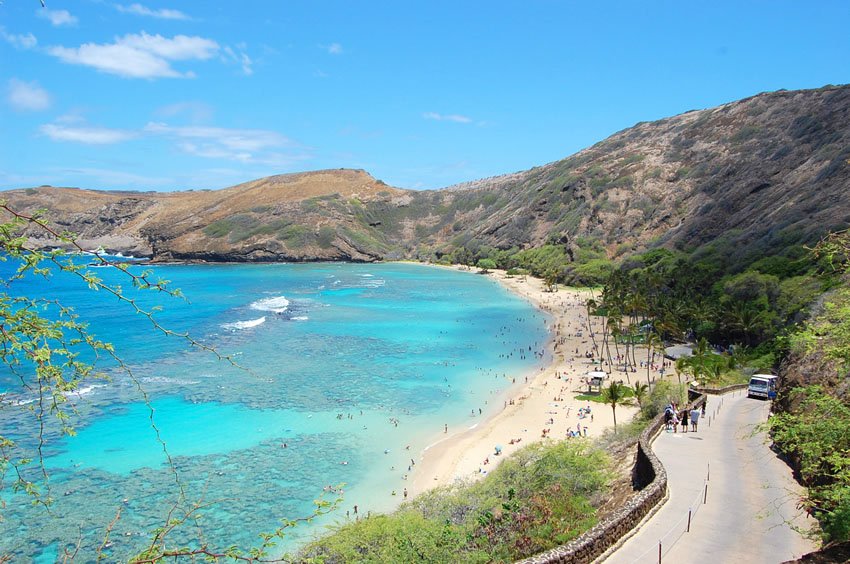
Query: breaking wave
[
  {"x": 237, "y": 325},
  {"x": 278, "y": 304}
]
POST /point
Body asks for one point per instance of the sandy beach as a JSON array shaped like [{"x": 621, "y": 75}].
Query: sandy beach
[{"x": 543, "y": 400}]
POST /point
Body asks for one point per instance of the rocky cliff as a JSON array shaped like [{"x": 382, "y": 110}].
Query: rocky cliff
[
  {"x": 291, "y": 217},
  {"x": 759, "y": 174}
]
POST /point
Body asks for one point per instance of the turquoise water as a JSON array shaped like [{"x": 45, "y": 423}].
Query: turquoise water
[{"x": 345, "y": 372}]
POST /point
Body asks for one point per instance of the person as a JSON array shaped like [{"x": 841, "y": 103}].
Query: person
[
  {"x": 695, "y": 413},
  {"x": 684, "y": 419}
]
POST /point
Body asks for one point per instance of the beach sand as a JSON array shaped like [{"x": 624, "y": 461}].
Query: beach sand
[{"x": 544, "y": 399}]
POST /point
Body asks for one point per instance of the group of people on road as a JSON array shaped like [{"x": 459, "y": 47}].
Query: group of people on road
[{"x": 673, "y": 417}]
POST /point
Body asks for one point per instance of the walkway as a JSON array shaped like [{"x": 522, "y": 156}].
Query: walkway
[{"x": 750, "y": 495}]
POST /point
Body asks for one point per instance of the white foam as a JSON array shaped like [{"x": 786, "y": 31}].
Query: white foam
[
  {"x": 85, "y": 390},
  {"x": 277, "y": 304},
  {"x": 167, "y": 380},
  {"x": 244, "y": 324},
  {"x": 300, "y": 318}
]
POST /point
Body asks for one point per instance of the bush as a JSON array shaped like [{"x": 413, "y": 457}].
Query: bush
[
  {"x": 537, "y": 499},
  {"x": 662, "y": 394},
  {"x": 486, "y": 264},
  {"x": 326, "y": 235},
  {"x": 819, "y": 446}
]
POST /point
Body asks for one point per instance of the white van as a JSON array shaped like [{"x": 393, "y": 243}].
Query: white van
[{"x": 762, "y": 386}]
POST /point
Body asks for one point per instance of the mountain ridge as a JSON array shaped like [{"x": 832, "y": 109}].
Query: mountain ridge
[{"x": 761, "y": 174}]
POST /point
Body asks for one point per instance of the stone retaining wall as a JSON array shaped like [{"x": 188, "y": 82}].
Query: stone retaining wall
[
  {"x": 650, "y": 480},
  {"x": 718, "y": 391}
]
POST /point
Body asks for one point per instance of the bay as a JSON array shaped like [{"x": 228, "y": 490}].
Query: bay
[{"x": 342, "y": 374}]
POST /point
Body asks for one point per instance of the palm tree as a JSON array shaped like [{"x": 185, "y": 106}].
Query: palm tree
[
  {"x": 653, "y": 343},
  {"x": 614, "y": 395},
  {"x": 641, "y": 391},
  {"x": 700, "y": 356},
  {"x": 683, "y": 365},
  {"x": 551, "y": 281}
]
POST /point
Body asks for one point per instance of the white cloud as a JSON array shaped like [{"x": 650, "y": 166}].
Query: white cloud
[
  {"x": 162, "y": 13},
  {"x": 256, "y": 146},
  {"x": 447, "y": 117},
  {"x": 19, "y": 41},
  {"x": 333, "y": 48},
  {"x": 239, "y": 57},
  {"x": 57, "y": 18},
  {"x": 27, "y": 96},
  {"x": 88, "y": 135},
  {"x": 139, "y": 55},
  {"x": 234, "y": 139}
]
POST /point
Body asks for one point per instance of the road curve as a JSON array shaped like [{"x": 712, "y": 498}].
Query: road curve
[{"x": 750, "y": 509}]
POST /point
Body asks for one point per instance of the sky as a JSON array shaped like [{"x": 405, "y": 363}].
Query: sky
[{"x": 180, "y": 95}]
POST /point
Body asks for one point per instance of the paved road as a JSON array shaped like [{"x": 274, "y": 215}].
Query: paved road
[{"x": 751, "y": 500}]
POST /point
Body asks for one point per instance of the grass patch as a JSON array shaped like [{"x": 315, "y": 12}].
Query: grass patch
[{"x": 627, "y": 392}]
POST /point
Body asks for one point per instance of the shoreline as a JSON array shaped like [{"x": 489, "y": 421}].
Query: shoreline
[{"x": 544, "y": 399}]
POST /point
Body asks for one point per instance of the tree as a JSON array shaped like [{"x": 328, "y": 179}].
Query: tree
[
  {"x": 641, "y": 392},
  {"x": 551, "y": 282},
  {"x": 683, "y": 367},
  {"x": 653, "y": 342},
  {"x": 614, "y": 395},
  {"x": 486, "y": 264}
]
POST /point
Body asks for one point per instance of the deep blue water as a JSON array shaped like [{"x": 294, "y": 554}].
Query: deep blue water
[{"x": 345, "y": 364}]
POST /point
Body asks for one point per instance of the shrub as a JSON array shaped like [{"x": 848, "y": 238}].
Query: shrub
[
  {"x": 326, "y": 235},
  {"x": 535, "y": 500}
]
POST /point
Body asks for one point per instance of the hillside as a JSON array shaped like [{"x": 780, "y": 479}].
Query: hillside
[
  {"x": 274, "y": 218},
  {"x": 750, "y": 178},
  {"x": 764, "y": 172}
]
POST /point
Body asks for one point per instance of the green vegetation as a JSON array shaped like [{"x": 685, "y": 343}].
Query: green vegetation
[
  {"x": 486, "y": 264},
  {"x": 746, "y": 319},
  {"x": 294, "y": 236},
  {"x": 694, "y": 297},
  {"x": 812, "y": 429},
  {"x": 326, "y": 236},
  {"x": 815, "y": 436},
  {"x": 241, "y": 227},
  {"x": 219, "y": 228},
  {"x": 540, "y": 497}
]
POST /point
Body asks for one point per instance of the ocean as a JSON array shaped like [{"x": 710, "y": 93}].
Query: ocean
[{"x": 342, "y": 374}]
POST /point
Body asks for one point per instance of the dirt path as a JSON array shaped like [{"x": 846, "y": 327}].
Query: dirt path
[{"x": 750, "y": 504}]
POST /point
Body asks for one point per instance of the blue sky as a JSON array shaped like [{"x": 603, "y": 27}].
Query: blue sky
[{"x": 189, "y": 94}]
